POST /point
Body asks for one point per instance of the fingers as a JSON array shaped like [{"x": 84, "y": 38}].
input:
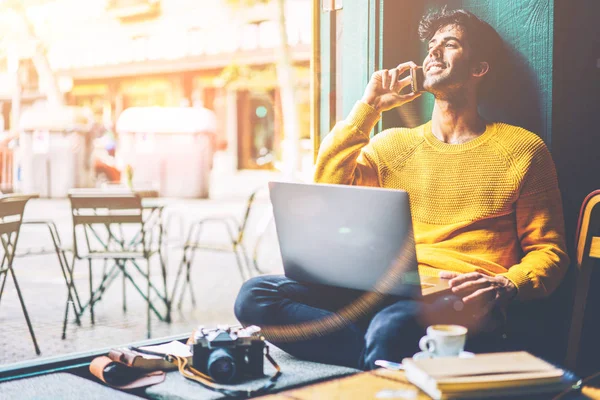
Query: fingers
[
  {"x": 395, "y": 73},
  {"x": 402, "y": 83},
  {"x": 447, "y": 274},
  {"x": 385, "y": 79},
  {"x": 405, "y": 98},
  {"x": 470, "y": 286},
  {"x": 406, "y": 66},
  {"x": 390, "y": 79},
  {"x": 385, "y": 86},
  {"x": 394, "y": 84},
  {"x": 471, "y": 276},
  {"x": 479, "y": 292}
]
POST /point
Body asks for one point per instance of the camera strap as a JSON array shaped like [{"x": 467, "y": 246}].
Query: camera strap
[{"x": 193, "y": 374}]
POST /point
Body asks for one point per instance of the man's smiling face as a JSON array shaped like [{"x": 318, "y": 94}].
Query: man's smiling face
[{"x": 447, "y": 65}]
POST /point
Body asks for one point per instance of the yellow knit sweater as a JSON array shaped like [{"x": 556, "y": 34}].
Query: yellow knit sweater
[{"x": 490, "y": 205}]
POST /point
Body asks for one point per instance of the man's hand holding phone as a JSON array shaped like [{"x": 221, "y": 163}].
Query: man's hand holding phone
[{"x": 383, "y": 90}]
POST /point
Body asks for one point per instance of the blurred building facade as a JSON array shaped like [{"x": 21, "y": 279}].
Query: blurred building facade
[{"x": 113, "y": 54}]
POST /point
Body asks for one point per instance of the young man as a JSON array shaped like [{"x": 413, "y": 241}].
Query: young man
[{"x": 484, "y": 197}]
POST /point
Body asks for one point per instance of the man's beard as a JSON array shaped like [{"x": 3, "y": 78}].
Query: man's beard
[{"x": 447, "y": 84}]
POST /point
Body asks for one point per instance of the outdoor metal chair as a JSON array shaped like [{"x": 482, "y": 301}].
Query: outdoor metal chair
[
  {"x": 66, "y": 267},
  {"x": 11, "y": 215},
  {"x": 236, "y": 232},
  {"x": 114, "y": 226}
]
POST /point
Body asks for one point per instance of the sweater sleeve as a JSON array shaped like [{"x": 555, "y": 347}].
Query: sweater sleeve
[
  {"x": 346, "y": 155},
  {"x": 540, "y": 229}
]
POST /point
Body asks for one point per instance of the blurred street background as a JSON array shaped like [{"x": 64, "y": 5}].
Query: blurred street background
[
  {"x": 215, "y": 277},
  {"x": 200, "y": 101}
]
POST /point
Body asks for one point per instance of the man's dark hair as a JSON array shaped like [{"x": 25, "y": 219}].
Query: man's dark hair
[{"x": 483, "y": 40}]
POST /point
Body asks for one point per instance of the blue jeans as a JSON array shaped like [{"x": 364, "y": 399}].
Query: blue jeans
[{"x": 391, "y": 331}]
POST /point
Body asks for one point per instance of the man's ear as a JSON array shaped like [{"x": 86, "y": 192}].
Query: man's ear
[{"x": 480, "y": 69}]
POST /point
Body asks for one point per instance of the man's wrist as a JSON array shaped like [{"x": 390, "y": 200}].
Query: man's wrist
[
  {"x": 372, "y": 102},
  {"x": 511, "y": 288}
]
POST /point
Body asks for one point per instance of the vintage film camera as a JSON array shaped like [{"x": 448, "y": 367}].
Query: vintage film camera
[{"x": 229, "y": 354}]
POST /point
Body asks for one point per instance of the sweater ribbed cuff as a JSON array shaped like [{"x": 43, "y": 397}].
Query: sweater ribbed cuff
[
  {"x": 521, "y": 281},
  {"x": 363, "y": 116}
]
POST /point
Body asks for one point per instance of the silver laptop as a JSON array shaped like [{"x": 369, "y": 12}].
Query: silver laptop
[{"x": 349, "y": 236}]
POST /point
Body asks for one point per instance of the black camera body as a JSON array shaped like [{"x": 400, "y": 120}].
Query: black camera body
[{"x": 228, "y": 355}]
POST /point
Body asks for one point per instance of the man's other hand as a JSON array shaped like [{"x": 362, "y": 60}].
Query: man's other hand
[
  {"x": 481, "y": 293},
  {"x": 383, "y": 91}
]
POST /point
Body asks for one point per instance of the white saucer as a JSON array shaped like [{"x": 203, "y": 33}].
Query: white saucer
[{"x": 423, "y": 355}]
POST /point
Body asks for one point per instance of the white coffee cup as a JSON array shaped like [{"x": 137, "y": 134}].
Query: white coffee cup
[{"x": 444, "y": 340}]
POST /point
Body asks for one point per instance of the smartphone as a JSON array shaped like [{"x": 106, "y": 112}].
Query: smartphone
[{"x": 416, "y": 79}]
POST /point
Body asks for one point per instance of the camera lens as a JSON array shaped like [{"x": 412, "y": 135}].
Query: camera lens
[{"x": 221, "y": 365}]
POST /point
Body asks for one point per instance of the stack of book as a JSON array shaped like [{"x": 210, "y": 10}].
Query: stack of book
[{"x": 486, "y": 375}]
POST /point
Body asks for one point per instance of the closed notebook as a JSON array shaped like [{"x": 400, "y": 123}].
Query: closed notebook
[
  {"x": 151, "y": 362},
  {"x": 484, "y": 375}
]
